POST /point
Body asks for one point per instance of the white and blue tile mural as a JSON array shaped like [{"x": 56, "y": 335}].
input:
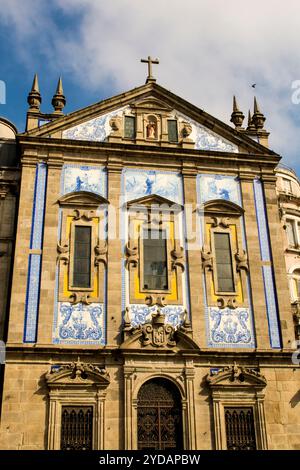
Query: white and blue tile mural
[
  {"x": 204, "y": 138},
  {"x": 79, "y": 324},
  {"x": 229, "y": 327},
  {"x": 140, "y": 314},
  {"x": 139, "y": 183},
  {"x": 84, "y": 178},
  {"x": 95, "y": 130},
  {"x": 98, "y": 129},
  {"x": 218, "y": 187},
  {"x": 35, "y": 260},
  {"x": 267, "y": 271}
]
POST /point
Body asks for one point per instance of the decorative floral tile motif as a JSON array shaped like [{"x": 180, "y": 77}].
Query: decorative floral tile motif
[
  {"x": 229, "y": 327},
  {"x": 218, "y": 187},
  {"x": 96, "y": 129},
  {"x": 79, "y": 324},
  {"x": 139, "y": 183},
  {"x": 140, "y": 314},
  {"x": 84, "y": 178}
]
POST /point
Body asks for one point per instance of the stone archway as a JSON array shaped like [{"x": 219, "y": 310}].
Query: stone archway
[{"x": 159, "y": 416}]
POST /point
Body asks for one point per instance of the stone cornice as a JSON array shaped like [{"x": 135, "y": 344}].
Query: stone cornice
[
  {"x": 208, "y": 357},
  {"x": 187, "y": 159}
]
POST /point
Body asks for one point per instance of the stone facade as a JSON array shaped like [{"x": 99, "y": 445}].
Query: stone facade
[{"x": 220, "y": 349}]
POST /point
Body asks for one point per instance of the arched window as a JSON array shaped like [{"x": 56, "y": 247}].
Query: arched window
[
  {"x": 159, "y": 415},
  {"x": 295, "y": 284}
]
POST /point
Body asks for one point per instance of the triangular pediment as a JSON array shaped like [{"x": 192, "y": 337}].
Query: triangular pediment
[
  {"x": 82, "y": 198},
  {"x": 221, "y": 207},
  {"x": 237, "y": 377},
  {"x": 152, "y": 201},
  {"x": 103, "y": 121}
]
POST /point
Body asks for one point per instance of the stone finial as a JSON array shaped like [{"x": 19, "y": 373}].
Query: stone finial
[
  {"x": 59, "y": 100},
  {"x": 258, "y": 117},
  {"x": 250, "y": 125},
  {"x": 34, "y": 98},
  {"x": 237, "y": 117}
]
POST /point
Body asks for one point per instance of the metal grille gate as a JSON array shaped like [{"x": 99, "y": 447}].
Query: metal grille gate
[
  {"x": 77, "y": 428},
  {"x": 240, "y": 432},
  {"x": 159, "y": 416}
]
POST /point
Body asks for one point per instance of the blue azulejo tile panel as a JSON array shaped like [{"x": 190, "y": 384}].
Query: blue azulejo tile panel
[
  {"x": 272, "y": 310},
  {"x": 79, "y": 324},
  {"x": 139, "y": 183},
  {"x": 84, "y": 178},
  {"x": 211, "y": 187},
  {"x": 261, "y": 220},
  {"x": 204, "y": 138},
  {"x": 32, "y": 298},
  {"x": 96, "y": 129},
  {"x": 35, "y": 260},
  {"x": 38, "y": 207},
  {"x": 229, "y": 328},
  {"x": 268, "y": 274},
  {"x": 140, "y": 314}
]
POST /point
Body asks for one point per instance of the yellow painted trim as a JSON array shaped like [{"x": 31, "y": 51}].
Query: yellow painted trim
[
  {"x": 67, "y": 292},
  {"x": 136, "y": 279},
  {"x": 239, "y": 291}
]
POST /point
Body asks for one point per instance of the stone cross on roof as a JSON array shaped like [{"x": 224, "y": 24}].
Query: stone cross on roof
[{"x": 150, "y": 61}]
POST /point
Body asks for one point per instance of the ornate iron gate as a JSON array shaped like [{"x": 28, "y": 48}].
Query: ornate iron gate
[
  {"x": 240, "y": 432},
  {"x": 77, "y": 428},
  {"x": 159, "y": 416}
]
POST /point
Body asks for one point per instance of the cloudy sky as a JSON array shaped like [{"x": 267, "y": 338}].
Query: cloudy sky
[{"x": 208, "y": 51}]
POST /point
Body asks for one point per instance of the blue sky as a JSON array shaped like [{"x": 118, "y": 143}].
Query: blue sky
[{"x": 208, "y": 51}]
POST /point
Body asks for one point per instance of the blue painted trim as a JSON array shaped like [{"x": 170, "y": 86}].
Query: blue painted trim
[
  {"x": 267, "y": 271},
  {"x": 35, "y": 260}
]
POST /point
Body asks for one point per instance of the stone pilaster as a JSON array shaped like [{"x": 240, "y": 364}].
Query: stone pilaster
[
  {"x": 114, "y": 258},
  {"x": 255, "y": 265},
  {"x": 194, "y": 261},
  {"x": 281, "y": 281}
]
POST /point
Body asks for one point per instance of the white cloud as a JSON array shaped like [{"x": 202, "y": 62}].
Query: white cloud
[{"x": 208, "y": 50}]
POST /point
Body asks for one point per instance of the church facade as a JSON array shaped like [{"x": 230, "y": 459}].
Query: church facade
[{"x": 150, "y": 304}]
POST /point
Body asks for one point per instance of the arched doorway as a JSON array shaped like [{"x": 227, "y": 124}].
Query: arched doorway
[{"x": 159, "y": 416}]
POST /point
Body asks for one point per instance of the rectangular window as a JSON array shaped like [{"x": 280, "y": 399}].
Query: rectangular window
[
  {"x": 223, "y": 262},
  {"x": 82, "y": 257},
  {"x": 172, "y": 130},
  {"x": 76, "y": 428},
  {"x": 287, "y": 185},
  {"x": 290, "y": 231},
  {"x": 155, "y": 260},
  {"x": 129, "y": 127},
  {"x": 240, "y": 432}
]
